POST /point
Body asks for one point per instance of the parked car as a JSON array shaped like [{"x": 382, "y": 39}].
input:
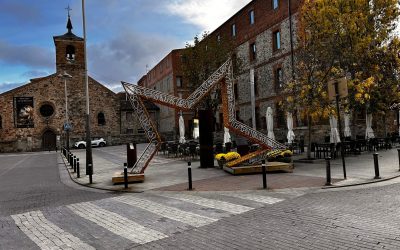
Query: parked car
[{"x": 100, "y": 142}]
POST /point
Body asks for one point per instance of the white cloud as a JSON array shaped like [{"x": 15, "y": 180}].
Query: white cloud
[
  {"x": 124, "y": 58},
  {"x": 206, "y": 14}
]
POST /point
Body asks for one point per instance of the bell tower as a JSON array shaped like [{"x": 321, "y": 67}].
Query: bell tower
[{"x": 69, "y": 50}]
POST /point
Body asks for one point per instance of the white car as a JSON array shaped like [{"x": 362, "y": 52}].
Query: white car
[{"x": 95, "y": 143}]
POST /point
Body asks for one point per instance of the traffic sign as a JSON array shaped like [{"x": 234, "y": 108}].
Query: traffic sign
[{"x": 67, "y": 126}]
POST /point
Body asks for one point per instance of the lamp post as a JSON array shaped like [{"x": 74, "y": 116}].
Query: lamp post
[
  {"x": 67, "y": 126},
  {"x": 89, "y": 159}
]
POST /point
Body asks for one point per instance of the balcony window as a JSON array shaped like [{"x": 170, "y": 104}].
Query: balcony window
[
  {"x": 233, "y": 30},
  {"x": 277, "y": 40},
  {"x": 275, "y": 4},
  {"x": 251, "y": 15}
]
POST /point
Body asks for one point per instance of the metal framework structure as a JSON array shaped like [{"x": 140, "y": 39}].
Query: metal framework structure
[{"x": 222, "y": 76}]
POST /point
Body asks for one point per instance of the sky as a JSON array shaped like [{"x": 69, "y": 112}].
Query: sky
[{"x": 123, "y": 36}]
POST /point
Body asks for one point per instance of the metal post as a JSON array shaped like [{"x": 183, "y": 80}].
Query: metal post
[
  {"x": 126, "y": 175},
  {"x": 340, "y": 129},
  {"x": 74, "y": 164},
  {"x": 328, "y": 172},
  {"x": 376, "y": 166},
  {"x": 78, "y": 171},
  {"x": 90, "y": 175},
  {"x": 264, "y": 174},
  {"x": 89, "y": 158},
  {"x": 398, "y": 153},
  {"x": 190, "y": 174}
]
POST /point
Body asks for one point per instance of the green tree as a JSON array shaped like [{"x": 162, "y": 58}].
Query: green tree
[{"x": 203, "y": 58}]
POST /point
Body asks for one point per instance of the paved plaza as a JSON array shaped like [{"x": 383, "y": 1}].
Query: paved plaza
[
  {"x": 46, "y": 207},
  {"x": 165, "y": 173}
]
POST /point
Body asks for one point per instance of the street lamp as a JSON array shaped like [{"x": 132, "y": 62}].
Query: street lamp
[
  {"x": 67, "y": 126},
  {"x": 89, "y": 159}
]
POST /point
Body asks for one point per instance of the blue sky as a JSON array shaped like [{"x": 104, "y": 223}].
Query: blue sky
[{"x": 123, "y": 35}]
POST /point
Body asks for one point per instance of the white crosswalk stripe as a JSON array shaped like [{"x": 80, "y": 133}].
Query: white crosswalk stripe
[
  {"x": 46, "y": 234},
  {"x": 167, "y": 211},
  {"x": 254, "y": 197},
  {"x": 116, "y": 223},
  {"x": 211, "y": 203}
]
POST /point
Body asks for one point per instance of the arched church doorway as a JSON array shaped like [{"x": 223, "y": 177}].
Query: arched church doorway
[{"x": 49, "y": 140}]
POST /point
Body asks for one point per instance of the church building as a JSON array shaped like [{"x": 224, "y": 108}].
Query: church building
[{"x": 33, "y": 116}]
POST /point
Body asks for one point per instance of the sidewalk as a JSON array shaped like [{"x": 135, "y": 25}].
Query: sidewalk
[{"x": 170, "y": 174}]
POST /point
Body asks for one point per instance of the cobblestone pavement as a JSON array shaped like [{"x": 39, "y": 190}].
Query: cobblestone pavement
[
  {"x": 352, "y": 218},
  {"x": 128, "y": 221}
]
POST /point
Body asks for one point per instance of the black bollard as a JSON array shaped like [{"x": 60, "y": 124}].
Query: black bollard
[
  {"x": 72, "y": 161},
  {"x": 126, "y": 175},
  {"x": 398, "y": 153},
  {"x": 264, "y": 174},
  {"x": 78, "y": 172},
  {"x": 74, "y": 164},
  {"x": 376, "y": 166},
  {"x": 328, "y": 172},
  {"x": 190, "y": 174},
  {"x": 67, "y": 157},
  {"x": 90, "y": 175},
  {"x": 56, "y": 149}
]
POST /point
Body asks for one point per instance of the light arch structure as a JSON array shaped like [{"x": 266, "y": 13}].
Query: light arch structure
[{"x": 223, "y": 77}]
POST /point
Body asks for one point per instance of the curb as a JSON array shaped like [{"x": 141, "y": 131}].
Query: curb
[
  {"x": 98, "y": 188},
  {"x": 362, "y": 183},
  {"x": 130, "y": 191}
]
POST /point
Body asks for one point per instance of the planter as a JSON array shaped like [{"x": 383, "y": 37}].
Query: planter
[{"x": 221, "y": 163}]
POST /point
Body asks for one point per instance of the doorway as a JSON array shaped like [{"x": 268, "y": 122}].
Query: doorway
[{"x": 49, "y": 140}]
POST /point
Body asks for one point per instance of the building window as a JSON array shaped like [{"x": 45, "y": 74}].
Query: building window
[
  {"x": 218, "y": 38},
  {"x": 278, "y": 78},
  {"x": 129, "y": 116},
  {"x": 258, "y": 118},
  {"x": 252, "y": 51},
  {"x": 179, "y": 81},
  {"x": 251, "y": 15},
  {"x": 238, "y": 116},
  {"x": 101, "y": 120},
  {"x": 233, "y": 30},
  {"x": 70, "y": 53},
  {"x": 1, "y": 122},
  {"x": 277, "y": 40},
  {"x": 46, "y": 110},
  {"x": 235, "y": 89},
  {"x": 275, "y": 4},
  {"x": 129, "y": 131},
  {"x": 280, "y": 116},
  {"x": 255, "y": 84},
  {"x": 140, "y": 131}
]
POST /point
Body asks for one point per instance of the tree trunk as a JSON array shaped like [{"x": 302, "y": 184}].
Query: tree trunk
[
  {"x": 385, "y": 125},
  {"x": 309, "y": 137},
  {"x": 206, "y": 125}
]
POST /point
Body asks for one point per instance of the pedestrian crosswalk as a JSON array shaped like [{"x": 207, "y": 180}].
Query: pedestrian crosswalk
[{"x": 136, "y": 218}]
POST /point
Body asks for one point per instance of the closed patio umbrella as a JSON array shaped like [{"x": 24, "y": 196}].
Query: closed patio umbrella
[
  {"x": 270, "y": 123},
  {"x": 227, "y": 136},
  {"x": 181, "y": 130},
  {"x": 335, "y": 138},
  {"x": 369, "y": 133},
  {"x": 347, "y": 131},
  {"x": 290, "y": 135}
]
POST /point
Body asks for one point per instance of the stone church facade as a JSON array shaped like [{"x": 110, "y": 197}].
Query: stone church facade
[{"x": 32, "y": 116}]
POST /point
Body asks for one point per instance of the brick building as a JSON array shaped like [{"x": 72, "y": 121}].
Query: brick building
[
  {"x": 264, "y": 34},
  {"x": 167, "y": 77},
  {"x": 33, "y": 115}
]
